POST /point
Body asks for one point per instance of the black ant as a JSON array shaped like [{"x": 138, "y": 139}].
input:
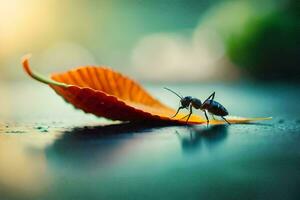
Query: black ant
[{"x": 209, "y": 105}]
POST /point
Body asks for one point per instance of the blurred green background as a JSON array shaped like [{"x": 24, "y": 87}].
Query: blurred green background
[{"x": 157, "y": 41}]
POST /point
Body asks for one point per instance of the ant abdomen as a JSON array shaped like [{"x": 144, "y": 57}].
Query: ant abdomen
[{"x": 215, "y": 108}]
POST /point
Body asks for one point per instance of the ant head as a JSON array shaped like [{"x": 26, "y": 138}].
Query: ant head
[{"x": 185, "y": 102}]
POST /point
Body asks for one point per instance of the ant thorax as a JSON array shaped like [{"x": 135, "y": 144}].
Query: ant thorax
[{"x": 196, "y": 103}]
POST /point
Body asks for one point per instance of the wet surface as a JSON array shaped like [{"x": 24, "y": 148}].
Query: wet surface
[{"x": 48, "y": 150}]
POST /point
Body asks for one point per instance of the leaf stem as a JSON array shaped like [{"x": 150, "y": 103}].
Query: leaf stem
[{"x": 37, "y": 76}]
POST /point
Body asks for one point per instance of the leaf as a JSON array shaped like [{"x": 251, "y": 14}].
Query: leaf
[{"x": 107, "y": 93}]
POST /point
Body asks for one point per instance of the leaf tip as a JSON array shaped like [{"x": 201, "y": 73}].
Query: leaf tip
[
  {"x": 25, "y": 63},
  {"x": 36, "y": 76}
]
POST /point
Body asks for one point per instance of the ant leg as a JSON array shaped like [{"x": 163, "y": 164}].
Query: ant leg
[
  {"x": 177, "y": 111},
  {"x": 226, "y": 120},
  {"x": 191, "y": 111},
  {"x": 207, "y": 120},
  {"x": 188, "y": 115},
  {"x": 212, "y": 96},
  {"x": 185, "y": 116}
]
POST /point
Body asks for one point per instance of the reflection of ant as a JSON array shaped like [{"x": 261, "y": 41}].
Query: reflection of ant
[
  {"x": 210, "y": 136},
  {"x": 213, "y": 107}
]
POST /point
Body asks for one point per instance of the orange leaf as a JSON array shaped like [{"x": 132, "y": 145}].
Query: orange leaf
[{"x": 107, "y": 93}]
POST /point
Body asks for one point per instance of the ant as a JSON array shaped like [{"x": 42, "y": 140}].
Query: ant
[{"x": 209, "y": 105}]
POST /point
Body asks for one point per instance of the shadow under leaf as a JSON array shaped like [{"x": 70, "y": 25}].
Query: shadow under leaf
[{"x": 97, "y": 146}]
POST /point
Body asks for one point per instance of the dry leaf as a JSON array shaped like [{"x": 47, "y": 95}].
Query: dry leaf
[{"x": 107, "y": 93}]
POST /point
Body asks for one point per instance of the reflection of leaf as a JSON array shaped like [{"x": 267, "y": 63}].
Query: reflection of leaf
[{"x": 106, "y": 93}]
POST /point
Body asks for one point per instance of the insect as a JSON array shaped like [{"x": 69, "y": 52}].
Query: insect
[{"x": 209, "y": 105}]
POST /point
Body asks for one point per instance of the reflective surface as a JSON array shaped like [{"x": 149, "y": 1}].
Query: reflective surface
[{"x": 50, "y": 151}]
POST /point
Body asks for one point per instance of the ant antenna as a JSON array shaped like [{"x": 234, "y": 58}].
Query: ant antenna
[{"x": 174, "y": 92}]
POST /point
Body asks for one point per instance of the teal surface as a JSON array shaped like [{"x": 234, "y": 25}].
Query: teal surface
[{"x": 50, "y": 151}]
